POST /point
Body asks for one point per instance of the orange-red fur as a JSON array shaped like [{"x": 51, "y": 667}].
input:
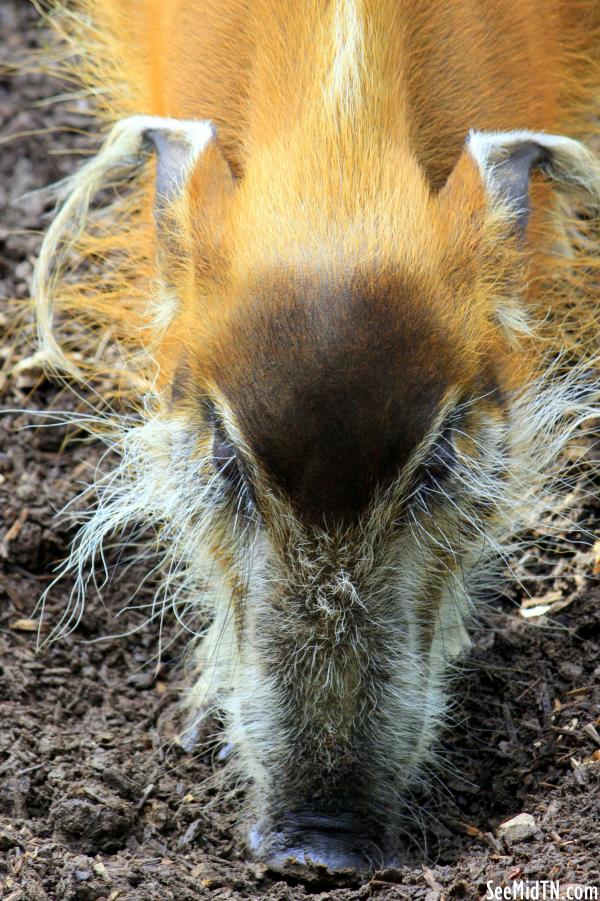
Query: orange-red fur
[
  {"x": 330, "y": 181},
  {"x": 333, "y": 330}
]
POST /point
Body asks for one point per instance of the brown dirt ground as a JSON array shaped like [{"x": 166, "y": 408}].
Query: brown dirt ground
[{"x": 97, "y": 798}]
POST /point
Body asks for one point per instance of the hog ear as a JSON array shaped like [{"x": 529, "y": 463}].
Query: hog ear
[
  {"x": 507, "y": 160},
  {"x": 187, "y": 156},
  {"x": 178, "y": 146}
]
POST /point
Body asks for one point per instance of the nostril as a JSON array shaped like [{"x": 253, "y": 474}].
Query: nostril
[{"x": 314, "y": 847}]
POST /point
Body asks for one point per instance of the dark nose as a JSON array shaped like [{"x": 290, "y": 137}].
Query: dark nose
[{"x": 317, "y": 847}]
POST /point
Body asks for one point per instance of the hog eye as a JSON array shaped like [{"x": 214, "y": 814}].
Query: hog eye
[
  {"x": 230, "y": 469},
  {"x": 225, "y": 459},
  {"x": 440, "y": 463}
]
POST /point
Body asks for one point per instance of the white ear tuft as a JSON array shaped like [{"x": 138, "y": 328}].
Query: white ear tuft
[
  {"x": 178, "y": 144},
  {"x": 506, "y": 161}
]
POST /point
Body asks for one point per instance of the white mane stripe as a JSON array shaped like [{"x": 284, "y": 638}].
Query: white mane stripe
[{"x": 348, "y": 38}]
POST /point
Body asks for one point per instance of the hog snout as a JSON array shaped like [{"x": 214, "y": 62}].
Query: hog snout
[{"x": 315, "y": 846}]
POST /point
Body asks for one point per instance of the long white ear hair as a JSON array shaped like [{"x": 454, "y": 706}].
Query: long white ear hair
[
  {"x": 507, "y": 160},
  {"x": 177, "y": 144},
  {"x": 563, "y": 303}
]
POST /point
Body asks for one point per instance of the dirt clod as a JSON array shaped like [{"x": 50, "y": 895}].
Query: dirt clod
[{"x": 98, "y": 822}]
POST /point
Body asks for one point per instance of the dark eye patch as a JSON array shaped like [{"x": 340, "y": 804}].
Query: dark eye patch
[
  {"x": 225, "y": 458},
  {"x": 441, "y": 460},
  {"x": 226, "y": 461}
]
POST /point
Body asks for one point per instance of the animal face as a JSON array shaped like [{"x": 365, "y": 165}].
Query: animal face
[
  {"x": 339, "y": 578},
  {"x": 333, "y": 633},
  {"x": 346, "y": 429},
  {"x": 352, "y": 455}
]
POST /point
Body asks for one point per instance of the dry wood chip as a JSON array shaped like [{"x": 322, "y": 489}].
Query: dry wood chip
[
  {"x": 13, "y": 531},
  {"x": 549, "y": 598},
  {"x": 552, "y": 602},
  {"x": 591, "y": 732},
  {"x": 431, "y": 881},
  {"x": 472, "y": 830},
  {"x": 25, "y": 625},
  {"x": 144, "y": 796},
  {"x": 101, "y": 871},
  {"x": 190, "y": 833}
]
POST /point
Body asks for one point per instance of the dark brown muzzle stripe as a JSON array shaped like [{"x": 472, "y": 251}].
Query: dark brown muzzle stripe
[{"x": 345, "y": 382}]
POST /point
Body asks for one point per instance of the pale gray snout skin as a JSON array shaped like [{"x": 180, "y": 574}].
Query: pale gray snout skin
[{"x": 314, "y": 847}]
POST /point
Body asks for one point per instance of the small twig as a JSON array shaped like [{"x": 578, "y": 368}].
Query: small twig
[
  {"x": 145, "y": 795},
  {"x": 30, "y": 769}
]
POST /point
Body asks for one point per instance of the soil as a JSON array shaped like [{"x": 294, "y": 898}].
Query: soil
[{"x": 98, "y": 800}]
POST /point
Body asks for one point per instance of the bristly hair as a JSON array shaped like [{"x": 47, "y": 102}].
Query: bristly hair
[
  {"x": 313, "y": 632},
  {"x": 102, "y": 306}
]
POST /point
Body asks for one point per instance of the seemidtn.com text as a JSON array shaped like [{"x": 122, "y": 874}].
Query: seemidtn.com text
[{"x": 542, "y": 890}]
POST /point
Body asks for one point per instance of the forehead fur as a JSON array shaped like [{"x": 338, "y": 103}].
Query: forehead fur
[{"x": 334, "y": 386}]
